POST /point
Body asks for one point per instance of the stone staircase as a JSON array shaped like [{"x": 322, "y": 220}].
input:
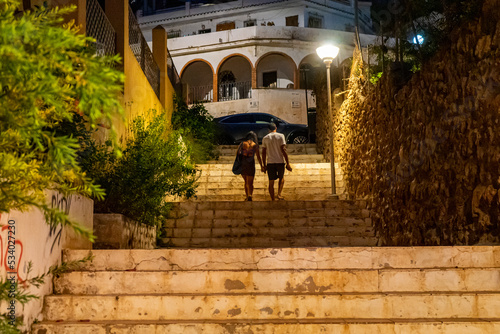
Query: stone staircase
[
  {"x": 302, "y": 153},
  {"x": 420, "y": 290},
  {"x": 309, "y": 180},
  {"x": 219, "y": 218},
  {"x": 281, "y": 267},
  {"x": 269, "y": 224}
]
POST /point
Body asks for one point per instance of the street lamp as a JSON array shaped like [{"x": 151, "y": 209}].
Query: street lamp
[{"x": 327, "y": 53}]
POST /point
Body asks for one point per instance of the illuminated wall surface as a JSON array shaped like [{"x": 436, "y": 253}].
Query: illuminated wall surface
[{"x": 25, "y": 237}]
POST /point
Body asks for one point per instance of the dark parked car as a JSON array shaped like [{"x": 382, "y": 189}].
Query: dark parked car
[{"x": 233, "y": 128}]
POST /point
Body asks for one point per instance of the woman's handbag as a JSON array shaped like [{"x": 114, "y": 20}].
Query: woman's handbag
[{"x": 237, "y": 165}]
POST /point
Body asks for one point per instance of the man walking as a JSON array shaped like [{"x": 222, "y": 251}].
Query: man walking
[{"x": 274, "y": 146}]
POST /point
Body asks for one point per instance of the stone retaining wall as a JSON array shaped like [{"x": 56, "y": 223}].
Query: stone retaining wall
[
  {"x": 428, "y": 153},
  {"x": 115, "y": 231}
]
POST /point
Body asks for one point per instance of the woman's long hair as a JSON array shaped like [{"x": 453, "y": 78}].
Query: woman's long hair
[{"x": 252, "y": 136}]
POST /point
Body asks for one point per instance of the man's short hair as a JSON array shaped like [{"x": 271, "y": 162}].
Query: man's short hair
[{"x": 271, "y": 126}]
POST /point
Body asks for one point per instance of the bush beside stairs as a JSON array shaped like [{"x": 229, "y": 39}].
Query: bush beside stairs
[{"x": 304, "y": 265}]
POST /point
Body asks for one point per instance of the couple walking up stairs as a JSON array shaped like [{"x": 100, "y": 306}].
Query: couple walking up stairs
[{"x": 305, "y": 265}]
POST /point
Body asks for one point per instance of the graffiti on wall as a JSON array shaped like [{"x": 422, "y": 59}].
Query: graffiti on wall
[
  {"x": 13, "y": 240},
  {"x": 11, "y": 256},
  {"x": 63, "y": 204}
]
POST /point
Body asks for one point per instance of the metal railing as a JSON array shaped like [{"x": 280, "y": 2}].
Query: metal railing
[
  {"x": 201, "y": 94},
  {"x": 174, "y": 33},
  {"x": 99, "y": 27},
  {"x": 235, "y": 91},
  {"x": 173, "y": 76},
  {"x": 143, "y": 54}
]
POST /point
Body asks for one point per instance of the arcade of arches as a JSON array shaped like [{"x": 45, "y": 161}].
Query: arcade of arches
[{"x": 236, "y": 76}]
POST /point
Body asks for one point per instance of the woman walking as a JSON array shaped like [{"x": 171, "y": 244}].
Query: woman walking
[{"x": 249, "y": 148}]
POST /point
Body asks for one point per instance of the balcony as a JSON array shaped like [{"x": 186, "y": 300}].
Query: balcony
[{"x": 235, "y": 91}]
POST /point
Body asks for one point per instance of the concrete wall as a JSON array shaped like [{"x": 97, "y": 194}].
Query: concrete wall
[
  {"x": 38, "y": 243},
  {"x": 254, "y": 42},
  {"x": 115, "y": 231},
  {"x": 288, "y": 104},
  {"x": 138, "y": 96},
  {"x": 335, "y": 15}
]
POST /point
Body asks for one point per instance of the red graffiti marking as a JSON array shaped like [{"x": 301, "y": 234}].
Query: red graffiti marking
[{"x": 3, "y": 260}]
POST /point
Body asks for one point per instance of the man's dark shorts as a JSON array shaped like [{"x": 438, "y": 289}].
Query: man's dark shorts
[{"x": 275, "y": 171}]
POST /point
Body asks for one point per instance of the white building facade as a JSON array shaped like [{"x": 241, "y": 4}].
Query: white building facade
[{"x": 254, "y": 52}]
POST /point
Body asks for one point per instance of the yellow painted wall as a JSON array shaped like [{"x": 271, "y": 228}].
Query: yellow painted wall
[
  {"x": 169, "y": 94},
  {"x": 138, "y": 95}
]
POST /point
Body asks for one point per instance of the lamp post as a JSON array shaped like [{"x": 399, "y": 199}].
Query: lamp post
[
  {"x": 304, "y": 69},
  {"x": 327, "y": 53}
]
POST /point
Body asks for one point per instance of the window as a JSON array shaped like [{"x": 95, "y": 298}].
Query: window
[
  {"x": 292, "y": 21},
  {"x": 264, "y": 118},
  {"x": 173, "y": 34},
  {"x": 225, "y": 26},
  {"x": 250, "y": 23},
  {"x": 270, "y": 79},
  {"x": 238, "y": 119},
  {"x": 349, "y": 27},
  {"x": 204, "y": 31},
  {"x": 315, "y": 21}
]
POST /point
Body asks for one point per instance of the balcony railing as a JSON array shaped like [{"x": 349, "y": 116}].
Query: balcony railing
[
  {"x": 143, "y": 54},
  {"x": 99, "y": 27},
  {"x": 173, "y": 75},
  {"x": 235, "y": 91},
  {"x": 201, "y": 94},
  {"x": 174, "y": 33}
]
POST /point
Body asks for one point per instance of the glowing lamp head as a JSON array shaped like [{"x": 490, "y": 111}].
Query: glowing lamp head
[
  {"x": 327, "y": 52},
  {"x": 419, "y": 39}
]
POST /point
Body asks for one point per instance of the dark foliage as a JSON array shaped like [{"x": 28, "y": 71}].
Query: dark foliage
[{"x": 198, "y": 129}]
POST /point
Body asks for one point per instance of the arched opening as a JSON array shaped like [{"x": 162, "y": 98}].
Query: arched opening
[
  {"x": 198, "y": 76},
  {"x": 234, "y": 79},
  {"x": 345, "y": 72},
  {"x": 309, "y": 69},
  {"x": 275, "y": 71}
]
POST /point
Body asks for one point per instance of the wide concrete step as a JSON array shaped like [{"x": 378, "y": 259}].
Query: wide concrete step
[
  {"x": 238, "y": 185},
  {"x": 263, "y": 196},
  {"x": 217, "y": 189},
  {"x": 362, "y": 258},
  {"x": 298, "y": 168},
  {"x": 264, "y": 242},
  {"x": 291, "y": 192},
  {"x": 259, "y": 177},
  {"x": 279, "y": 281},
  {"x": 338, "y": 224},
  {"x": 373, "y": 306},
  {"x": 444, "y": 326},
  {"x": 341, "y": 206},
  {"x": 269, "y": 214},
  {"x": 291, "y": 149},
  {"x": 220, "y": 192},
  {"x": 299, "y": 158},
  {"x": 269, "y": 232}
]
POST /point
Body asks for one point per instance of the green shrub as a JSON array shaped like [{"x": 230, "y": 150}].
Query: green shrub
[
  {"x": 155, "y": 163},
  {"x": 197, "y": 126},
  {"x": 48, "y": 75}
]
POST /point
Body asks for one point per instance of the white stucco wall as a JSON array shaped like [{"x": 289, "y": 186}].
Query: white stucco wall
[
  {"x": 255, "y": 42},
  {"x": 335, "y": 15},
  {"x": 288, "y": 104},
  {"x": 38, "y": 243}
]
